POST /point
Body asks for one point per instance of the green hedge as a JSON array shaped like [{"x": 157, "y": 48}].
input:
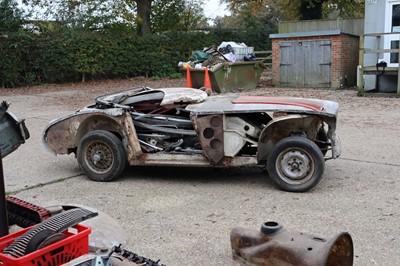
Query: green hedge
[{"x": 66, "y": 55}]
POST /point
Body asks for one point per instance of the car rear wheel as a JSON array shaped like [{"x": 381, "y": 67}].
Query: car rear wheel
[
  {"x": 296, "y": 164},
  {"x": 101, "y": 156}
]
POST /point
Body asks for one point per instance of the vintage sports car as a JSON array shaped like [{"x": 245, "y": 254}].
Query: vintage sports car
[{"x": 292, "y": 137}]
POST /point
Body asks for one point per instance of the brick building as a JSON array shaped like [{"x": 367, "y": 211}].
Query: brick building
[{"x": 316, "y": 58}]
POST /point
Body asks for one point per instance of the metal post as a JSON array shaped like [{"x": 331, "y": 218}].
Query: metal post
[
  {"x": 398, "y": 69},
  {"x": 361, "y": 67},
  {"x": 3, "y": 203}
]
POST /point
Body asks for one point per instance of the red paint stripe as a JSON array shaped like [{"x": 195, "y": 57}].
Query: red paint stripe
[{"x": 277, "y": 100}]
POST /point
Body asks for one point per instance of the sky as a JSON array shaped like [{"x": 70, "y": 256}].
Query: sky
[{"x": 213, "y": 8}]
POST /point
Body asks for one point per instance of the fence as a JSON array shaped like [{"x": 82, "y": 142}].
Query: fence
[
  {"x": 349, "y": 26},
  {"x": 265, "y": 57},
  {"x": 373, "y": 70}
]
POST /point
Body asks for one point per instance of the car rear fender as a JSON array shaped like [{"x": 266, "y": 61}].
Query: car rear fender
[
  {"x": 122, "y": 126},
  {"x": 63, "y": 137},
  {"x": 284, "y": 126}
]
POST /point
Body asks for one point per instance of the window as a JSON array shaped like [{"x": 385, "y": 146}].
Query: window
[
  {"x": 394, "y": 57},
  {"x": 396, "y": 18}
]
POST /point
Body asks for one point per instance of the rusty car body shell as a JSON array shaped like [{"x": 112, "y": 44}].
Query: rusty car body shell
[{"x": 234, "y": 120}]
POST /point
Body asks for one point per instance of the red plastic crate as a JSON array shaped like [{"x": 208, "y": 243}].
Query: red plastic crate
[{"x": 76, "y": 244}]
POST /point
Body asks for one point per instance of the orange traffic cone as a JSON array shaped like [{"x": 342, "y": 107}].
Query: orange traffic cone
[
  {"x": 189, "y": 83},
  {"x": 207, "y": 82}
]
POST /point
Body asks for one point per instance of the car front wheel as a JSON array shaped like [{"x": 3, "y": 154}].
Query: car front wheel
[
  {"x": 296, "y": 164},
  {"x": 101, "y": 156}
]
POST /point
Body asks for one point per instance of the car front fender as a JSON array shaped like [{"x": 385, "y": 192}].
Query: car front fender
[{"x": 284, "y": 126}]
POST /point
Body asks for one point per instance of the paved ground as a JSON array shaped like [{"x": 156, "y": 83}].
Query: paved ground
[{"x": 184, "y": 216}]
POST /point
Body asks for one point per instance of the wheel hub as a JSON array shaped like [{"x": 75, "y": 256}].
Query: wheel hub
[
  {"x": 99, "y": 157},
  {"x": 295, "y": 164},
  {"x": 96, "y": 158}
]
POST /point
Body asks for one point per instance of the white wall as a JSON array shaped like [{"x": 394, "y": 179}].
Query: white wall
[{"x": 374, "y": 22}]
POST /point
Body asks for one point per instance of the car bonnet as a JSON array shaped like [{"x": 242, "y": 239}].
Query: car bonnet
[{"x": 248, "y": 104}]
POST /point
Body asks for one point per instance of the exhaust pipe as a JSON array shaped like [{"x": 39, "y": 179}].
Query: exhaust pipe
[{"x": 275, "y": 245}]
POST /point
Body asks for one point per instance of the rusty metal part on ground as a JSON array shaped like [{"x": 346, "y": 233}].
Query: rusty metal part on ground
[
  {"x": 13, "y": 133},
  {"x": 25, "y": 214},
  {"x": 46, "y": 232},
  {"x": 275, "y": 245},
  {"x": 117, "y": 257}
]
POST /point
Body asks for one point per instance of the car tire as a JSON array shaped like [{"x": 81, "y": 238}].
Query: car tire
[
  {"x": 101, "y": 156},
  {"x": 295, "y": 164}
]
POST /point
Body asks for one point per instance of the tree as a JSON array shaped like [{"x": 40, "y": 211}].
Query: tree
[
  {"x": 143, "y": 16},
  {"x": 162, "y": 15},
  {"x": 311, "y": 9},
  {"x": 146, "y": 15},
  {"x": 193, "y": 16},
  {"x": 11, "y": 20},
  {"x": 249, "y": 15},
  {"x": 317, "y": 9},
  {"x": 166, "y": 15},
  {"x": 301, "y": 9},
  {"x": 84, "y": 14}
]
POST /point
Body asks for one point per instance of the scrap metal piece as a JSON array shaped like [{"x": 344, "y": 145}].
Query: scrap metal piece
[
  {"x": 3, "y": 108},
  {"x": 25, "y": 214},
  {"x": 106, "y": 231},
  {"x": 275, "y": 245},
  {"x": 13, "y": 131},
  {"x": 133, "y": 257},
  {"x": 33, "y": 238},
  {"x": 116, "y": 257}
]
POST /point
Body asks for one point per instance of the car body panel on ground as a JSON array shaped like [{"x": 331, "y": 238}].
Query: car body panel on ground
[{"x": 13, "y": 131}]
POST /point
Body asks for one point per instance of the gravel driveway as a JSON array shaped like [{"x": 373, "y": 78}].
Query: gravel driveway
[{"x": 184, "y": 216}]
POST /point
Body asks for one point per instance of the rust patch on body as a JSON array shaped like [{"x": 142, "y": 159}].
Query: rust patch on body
[{"x": 211, "y": 136}]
